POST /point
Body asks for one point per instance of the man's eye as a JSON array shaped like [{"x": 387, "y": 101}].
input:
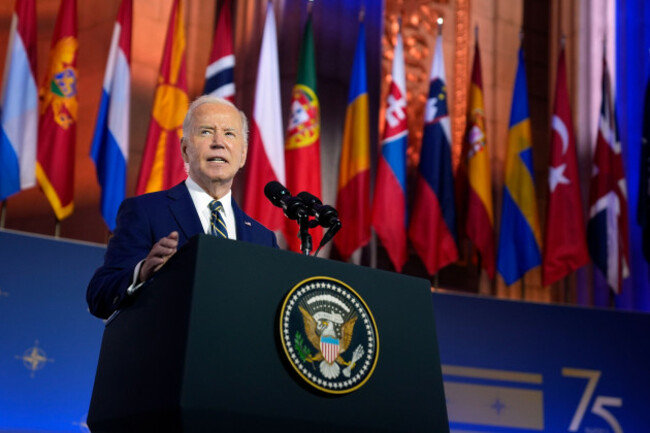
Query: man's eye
[
  {"x": 205, "y": 132},
  {"x": 230, "y": 134}
]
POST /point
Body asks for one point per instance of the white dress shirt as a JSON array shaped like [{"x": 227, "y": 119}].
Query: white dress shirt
[{"x": 202, "y": 202}]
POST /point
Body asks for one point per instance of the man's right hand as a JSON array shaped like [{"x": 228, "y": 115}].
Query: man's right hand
[{"x": 158, "y": 256}]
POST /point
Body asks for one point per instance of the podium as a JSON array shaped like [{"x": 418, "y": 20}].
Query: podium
[{"x": 200, "y": 349}]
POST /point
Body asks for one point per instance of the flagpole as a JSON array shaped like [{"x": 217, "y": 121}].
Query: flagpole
[
  {"x": 57, "y": 228},
  {"x": 3, "y": 213}
]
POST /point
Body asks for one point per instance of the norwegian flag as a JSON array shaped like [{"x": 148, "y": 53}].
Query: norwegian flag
[
  {"x": 219, "y": 75},
  {"x": 329, "y": 347},
  {"x": 389, "y": 205},
  {"x": 565, "y": 248},
  {"x": 607, "y": 230}
]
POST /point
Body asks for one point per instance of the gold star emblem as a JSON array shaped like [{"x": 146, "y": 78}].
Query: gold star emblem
[{"x": 34, "y": 358}]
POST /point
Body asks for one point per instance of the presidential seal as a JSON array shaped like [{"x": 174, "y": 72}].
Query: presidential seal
[{"x": 329, "y": 335}]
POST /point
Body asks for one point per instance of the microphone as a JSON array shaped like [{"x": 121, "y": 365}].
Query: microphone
[
  {"x": 326, "y": 215},
  {"x": 293, "y": 207}
]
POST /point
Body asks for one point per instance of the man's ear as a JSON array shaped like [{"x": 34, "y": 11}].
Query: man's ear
[
  {"x": 184, "y": 150},
  {"x": 244, "y": 155}
]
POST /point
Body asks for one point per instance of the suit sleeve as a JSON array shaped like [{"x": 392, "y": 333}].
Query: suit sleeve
[{"x": 131, "y": 243}]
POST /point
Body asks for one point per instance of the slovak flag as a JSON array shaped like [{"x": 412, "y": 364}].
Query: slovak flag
[
  {"x": 389, "y": 204},
  {"x": 110, "y": 148},
  {"x": 607, "y": 229},
  {"x": 19, "y": 104},
  {"x": 219, "y": 75},
  {"x": 432, "y": 228}
]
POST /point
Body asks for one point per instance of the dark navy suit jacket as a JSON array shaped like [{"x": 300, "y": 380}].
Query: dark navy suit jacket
[{"x": 141, "y": 222}]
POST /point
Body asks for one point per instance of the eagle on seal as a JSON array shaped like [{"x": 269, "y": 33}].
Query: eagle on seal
[{"x": 331, "y": 335}]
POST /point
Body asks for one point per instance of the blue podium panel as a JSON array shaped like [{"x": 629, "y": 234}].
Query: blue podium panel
[
  {"x": 521, "y": 367},
  {"x": 49, "y": 342}
]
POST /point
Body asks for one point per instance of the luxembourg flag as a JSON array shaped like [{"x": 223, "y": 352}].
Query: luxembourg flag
[
  {"x": 219, "y": 75},
  {"x": 432, "y": 228},
  {"x": 19, "y": 104},
  {"x": 389, "y": 204},
  {"x": 110, "y": 147}
]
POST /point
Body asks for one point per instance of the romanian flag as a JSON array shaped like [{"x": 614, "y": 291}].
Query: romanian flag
[
  {"x": 473, "y": 178},
  {"x": 519, "y": 236},
  {"x": 607, "y": 228},
  {"x": 110, "y": 149},
  {"x": 58, "y": 120},
  {"x": 389, "y": 204},
  {"x": 353, "y": 197},
  {"x": 219, "y": 75},
  {"x": 432, "y": 228},
  {"x": 162, "y": 164},
  {"x": 19, "y": 104},
  {"x": 266, "y": 149},
  {"x": 565, "y": 245},
  {"x": 302, "y": 145}
]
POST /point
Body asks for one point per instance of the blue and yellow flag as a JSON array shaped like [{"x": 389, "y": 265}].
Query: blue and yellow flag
[{"x": 520, "y": 236}]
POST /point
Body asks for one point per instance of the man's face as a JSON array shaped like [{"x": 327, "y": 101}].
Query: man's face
[{"x": 215, "y": 149}]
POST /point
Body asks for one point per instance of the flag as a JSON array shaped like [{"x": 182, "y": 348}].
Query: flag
[
  {"x": 389, "y": 204},
  {"x": 219, "y": 75},
  {"x": 643, "y": 209},
  {"x": 162, "y": 165},
  {"x": 519, "y": 235},
  {"x": 565, "y": 247},
  {"x": 110, "y": 147},
  {"x": 19, "y": 104},
  {"x": 302, "y": 145},
  {"x": 266, "y": 149},
  {"x": 57, "y": 124},
  {"x": 473, "y": 177},
  {"x": 432, "y": 228},
  {"x": 353, "y": 195},
  {"x": 607, "y": 229}
]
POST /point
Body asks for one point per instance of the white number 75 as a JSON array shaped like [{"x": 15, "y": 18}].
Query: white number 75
[{"x": 600, "y": 402}]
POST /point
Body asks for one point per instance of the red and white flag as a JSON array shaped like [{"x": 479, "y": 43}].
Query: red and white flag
[
  {"x": 565, "y": 246},
  {"x": 266, "y": 148}
]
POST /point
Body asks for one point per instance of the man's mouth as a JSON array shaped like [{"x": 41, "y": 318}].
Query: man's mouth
[{"x": 216, "y": 159}]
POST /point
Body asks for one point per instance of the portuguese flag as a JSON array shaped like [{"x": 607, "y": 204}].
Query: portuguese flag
[{"x": 302, "y": 145}]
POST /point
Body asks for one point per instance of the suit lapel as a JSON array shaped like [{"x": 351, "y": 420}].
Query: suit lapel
[
  {"x": 183, "y": 210},
  {"x": 242, "y": 223}
]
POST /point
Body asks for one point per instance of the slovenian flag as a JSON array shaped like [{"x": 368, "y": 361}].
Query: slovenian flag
[
  {"x": 432, "y": 228},
  {"x": 219, "y": 75},
  {"x": 110, "y": 147},
  {"x": 19, "y": 104},
  {"x": 389, "y": 204}
]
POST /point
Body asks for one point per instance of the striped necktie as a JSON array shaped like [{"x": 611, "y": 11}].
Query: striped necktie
[{"x": 217, "y": 223}]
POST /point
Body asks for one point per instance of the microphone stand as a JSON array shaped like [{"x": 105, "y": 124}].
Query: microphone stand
[{"x": 305, "y": 237}]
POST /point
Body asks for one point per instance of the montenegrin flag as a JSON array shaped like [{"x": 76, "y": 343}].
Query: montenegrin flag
[
  {"x": 19, "y": 104},
  {"x": 219, "y": 75},
  {"x": 389, "y": 204},
  {"x": 519, "y": 236},
  {"x": 432, "y": 228},
  {"x": 302, "y": 145},
  {"x": 58, "y": 120},
  {"x": 110, "y": 148},
  {"x": 266, "y": 148},
  {"x": 162, "y": 164},
  {"x": 353, "y": 197},
  {"x": 473, "y": 177}
]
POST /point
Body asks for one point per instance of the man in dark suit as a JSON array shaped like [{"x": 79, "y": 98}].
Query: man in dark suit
[{"x": 151, "y": 227}]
